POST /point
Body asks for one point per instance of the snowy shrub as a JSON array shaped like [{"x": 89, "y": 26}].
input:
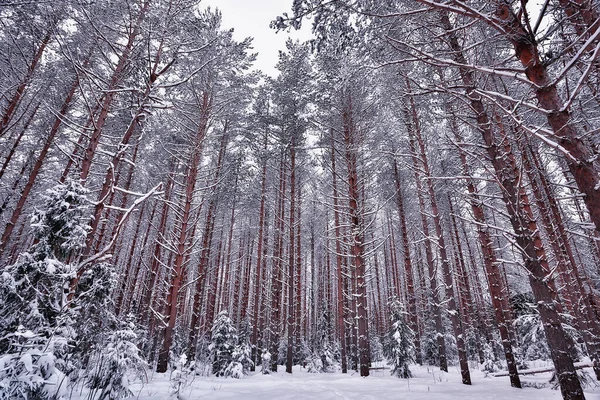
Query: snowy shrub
[
  {"x": 490, "y": 363},
  {"x": 314, "y": 365},
  {"x": 180, "y": 373},
  {"x": 532, "y": 338},
  {"x": 282, "y": 351},
  {"x": 224, "y": 340},
  {"x": 29, "y": 370},
  {"x": 399, "y": 347},
  {"x": 376, "y": 348},
  {"x": 266, "y": 361},
  {"x": 110, "y": 365},
  {"x": 240, "y": 362}
]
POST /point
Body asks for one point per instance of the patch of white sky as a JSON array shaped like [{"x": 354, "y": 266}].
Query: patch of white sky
[{"x": 251, "y": 18}]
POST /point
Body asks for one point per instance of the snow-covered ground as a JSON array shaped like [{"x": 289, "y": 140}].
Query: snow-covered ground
[{"x": 428, "y": 383}]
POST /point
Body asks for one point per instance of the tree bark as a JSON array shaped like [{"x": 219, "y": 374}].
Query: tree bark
[
  {"x": 408, "y": 271},
  {"x": 182, "y": 243}
]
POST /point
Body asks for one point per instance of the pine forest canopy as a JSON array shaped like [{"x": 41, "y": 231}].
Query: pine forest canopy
[{"x": 419, "y": 182}]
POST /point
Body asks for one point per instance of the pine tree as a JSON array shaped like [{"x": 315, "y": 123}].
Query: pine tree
[
  {"x": 241, "y": 357},
  {"x": 37, "y": 324},
  {"x": 399, "y": 348},
  {"x": 223, "y": 343}
]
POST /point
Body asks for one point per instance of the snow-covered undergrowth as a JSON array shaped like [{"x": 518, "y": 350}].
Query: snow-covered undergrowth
[{"x": 427, "y": 383}]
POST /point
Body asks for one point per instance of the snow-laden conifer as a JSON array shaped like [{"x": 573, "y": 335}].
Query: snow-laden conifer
[{"x": 399, "y": 348}]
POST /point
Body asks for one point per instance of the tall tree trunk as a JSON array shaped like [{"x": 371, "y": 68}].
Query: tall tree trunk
[
  {"x": 357, "y": 237},
  {"x": 441, "y": 244},
  {"x": 13, "y": 103},
  {"x": 525, "y": 227},
  {"x": 291, "y": 323},
  {"x": 341, "y": 316},
  {"x": 184, "y": 229},
  {"x": 261, "y": 246},
  {"x": 277, "y": 273},
  {"x": 412, "y": 301},
  {"x": 204, "y": 262}
]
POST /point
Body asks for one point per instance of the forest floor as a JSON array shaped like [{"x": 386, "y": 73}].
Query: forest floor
[{"x": 428, "y": 383}]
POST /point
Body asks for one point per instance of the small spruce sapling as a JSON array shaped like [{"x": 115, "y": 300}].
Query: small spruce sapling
[
  {"x": 224, "y": 339},
  {"x": 399, "y": 347},
  {"x": 266, "y": 361}
]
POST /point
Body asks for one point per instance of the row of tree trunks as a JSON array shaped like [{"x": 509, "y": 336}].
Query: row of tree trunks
[
  {"x": 415, "y": 136},
  {"x": 408, "y": 269},
  {"x": 115, "y": 80},
  {"x": 184, "y": 229},
  {"x": 204, "y": 262},
  {"x": 339, "y": 260},
  {"x": 498, "y": 291},
  {"x": 525, "y": 227},
  {"x": 434, "y": 295},
  {"x": 13, "y": 104}
]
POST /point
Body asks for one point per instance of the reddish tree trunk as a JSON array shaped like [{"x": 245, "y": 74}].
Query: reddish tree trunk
[
  {"x": 357, "y": 238},
  {"x": 277, "y": 273},
  {"x": 341, "y": 316},
  {"x": 13, "y": 103},
  {"x": 204, "y": 263},
  {"x": 291, "y": 323},
  {"x": 261, "y": 246},
  {"x": 182, "y": 243},
  {"x": 408, "y": 271},
  {"x": 441, "y": 244}
]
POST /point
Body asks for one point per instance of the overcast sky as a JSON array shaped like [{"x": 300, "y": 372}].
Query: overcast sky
[{"x": 252, "y": 18}]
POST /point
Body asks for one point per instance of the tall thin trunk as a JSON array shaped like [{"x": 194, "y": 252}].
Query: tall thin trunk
[
  {"x": 357, "y": 237},
  {"x": 13, "y": 103},
  {"x": 259, "y": 257},
  {"x": 204, "y": 262},
  {"x": 291, "y": 323},
  {"x": 441, "y": 244},
  {"x": 408, "y": 271},
  {"x": 184, "y": 229},
  {"x": 277, "y": 273},
  {"x": 341, "y": 317}
]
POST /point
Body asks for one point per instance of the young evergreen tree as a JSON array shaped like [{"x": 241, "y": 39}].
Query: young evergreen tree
[
  {"x": 37, "y": 325},
  {"x": 399, "y": 345},
  {"x": 224, "y": 341}
]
